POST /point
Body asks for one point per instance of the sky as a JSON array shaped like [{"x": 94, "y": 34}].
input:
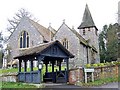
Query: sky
[{"x": 55, "y": 11}]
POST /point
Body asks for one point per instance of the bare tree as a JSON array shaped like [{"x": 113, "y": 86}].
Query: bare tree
[{"x": 16, "y": 19}]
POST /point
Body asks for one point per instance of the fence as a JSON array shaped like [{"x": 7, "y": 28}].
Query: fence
[{"x": 77, "y": 74}]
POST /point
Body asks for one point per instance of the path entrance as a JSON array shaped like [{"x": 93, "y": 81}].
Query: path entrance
[
  {"x": 61, "y": 86},
  {"x": 58, "y": 75},
  {"x": 50, "y": 53}
]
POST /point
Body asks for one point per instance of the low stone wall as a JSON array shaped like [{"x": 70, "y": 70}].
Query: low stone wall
[
  {"x": 9, "y": 77},
  {"x": 77, "y": 74}
]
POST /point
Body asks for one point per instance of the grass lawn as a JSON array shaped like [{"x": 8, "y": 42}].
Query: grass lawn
[
  {"x": 16, "y": 85},
  {"x": 13, "y": 70}
]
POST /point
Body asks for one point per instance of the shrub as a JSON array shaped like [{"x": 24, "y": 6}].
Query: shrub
[
  {"x": 95, "y": 65},
  {"x": 101, "y": 65},
  {"x": 88, "y": 65}
]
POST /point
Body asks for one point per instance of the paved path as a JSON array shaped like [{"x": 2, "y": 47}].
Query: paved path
[
  {"x": 62, "y": 86},
  {"x": 110, "y": 86}
]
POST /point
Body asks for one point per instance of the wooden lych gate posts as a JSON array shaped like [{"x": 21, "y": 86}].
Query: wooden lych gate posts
[{"x": 47, "y": 53}]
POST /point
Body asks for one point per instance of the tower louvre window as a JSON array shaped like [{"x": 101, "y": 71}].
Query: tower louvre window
[
  {"x": 24, "y": 39},
  {"x": 83, "y": 31},
  {"x": 88, "y": 29}
]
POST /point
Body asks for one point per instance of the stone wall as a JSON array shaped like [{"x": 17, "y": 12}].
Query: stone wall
[
  {"x": 14, "y": 42},
  {"x": 77, "y": 74},
  {"x": 10, "y": 77}
]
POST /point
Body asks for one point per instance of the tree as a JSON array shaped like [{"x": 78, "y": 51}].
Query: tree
[
  {"x": 102, "y": 43},
  {"x": 108, "y": 43},
  {"x": 112, "y": 42},
  {"x": 16, "y": 19},
  {"x": 1, "y": 49}
]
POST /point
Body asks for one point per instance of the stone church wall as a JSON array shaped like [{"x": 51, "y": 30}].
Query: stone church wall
[
  {"x": 34, "y": 36},
  {"x": 77, "y": 49}
]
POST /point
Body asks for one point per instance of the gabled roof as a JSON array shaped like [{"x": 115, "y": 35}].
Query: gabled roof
[
  {"x": 38, "y": 49},
  {"x": 45, "y": 32},
  {"x": 87, "y": 20},
  {"x": 52, "y": 30},
  {"x": 82, "y": 40},
  {"x": 42, "y": 30}
]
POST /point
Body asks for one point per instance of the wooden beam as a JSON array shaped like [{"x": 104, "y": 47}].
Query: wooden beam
[
  {"x": 59, "y": 65},
  {"x": 67, "y": 64},
  {"x": 53, "y": 66},
  {"x": 46, "y": 67},
  {"x": 31, "y": 65},
  {"x": 19, "y": 70},
  {"x": 25, "y": 66}
]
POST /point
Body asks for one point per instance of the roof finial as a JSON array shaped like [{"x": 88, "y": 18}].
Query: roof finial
[
  {"x": 72, "y": 27},
  {"x": 49, "y": 24},
  {"x": 63, "y": 20}
]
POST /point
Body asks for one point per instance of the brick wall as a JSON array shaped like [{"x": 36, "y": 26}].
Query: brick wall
[{"x": 77, "y": 74}]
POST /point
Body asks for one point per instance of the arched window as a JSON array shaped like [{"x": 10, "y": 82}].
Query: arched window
[
  {"x": 65, "y": 43},
  {"x": 24, "y": 39}
]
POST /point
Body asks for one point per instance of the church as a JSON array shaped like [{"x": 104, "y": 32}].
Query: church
[{"x": 83, "y": 45}]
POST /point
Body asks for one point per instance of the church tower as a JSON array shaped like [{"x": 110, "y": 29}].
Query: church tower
[{"x": 89, "y": 31}]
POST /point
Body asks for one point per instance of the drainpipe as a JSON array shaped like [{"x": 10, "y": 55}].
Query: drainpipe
[{"x": 87, "y": 56}]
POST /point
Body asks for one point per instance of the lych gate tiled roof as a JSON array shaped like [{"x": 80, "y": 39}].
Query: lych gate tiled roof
[
  {"x": 87, "y": 20},
  {"x": 42, "y": 30},
  {"x": 38, "y": 49}
]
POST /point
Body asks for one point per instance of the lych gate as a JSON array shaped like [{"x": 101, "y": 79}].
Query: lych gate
[{"x": 49, "y": 53}]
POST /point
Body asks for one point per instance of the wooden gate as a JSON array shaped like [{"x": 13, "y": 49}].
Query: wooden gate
[
  {"x": 29, "y": 77},
  {"x": 61, "y": 76}
]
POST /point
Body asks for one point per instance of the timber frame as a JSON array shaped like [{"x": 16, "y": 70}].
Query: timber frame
[{"x": 47, "y": 53}]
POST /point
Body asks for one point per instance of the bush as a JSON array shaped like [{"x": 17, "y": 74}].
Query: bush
[
  {"x": 102, "y": 64},
  {"x": 95, "y": 65},
  {"x": 88, "y": 65}
]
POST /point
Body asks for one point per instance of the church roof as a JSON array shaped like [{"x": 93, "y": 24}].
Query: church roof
[
  {"x": 45, "y": 32},
  {"x": 82, "y": 40},
  {"x": 39, "y": 49},
  {"x": 53, "y": 31},
  {"x": 87, "y": 20}
]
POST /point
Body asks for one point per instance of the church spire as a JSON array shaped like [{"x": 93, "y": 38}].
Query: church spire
[{"x": 87, "y": 20}]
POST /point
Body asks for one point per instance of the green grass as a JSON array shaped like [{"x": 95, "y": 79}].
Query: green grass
[
  {"x": 16, "y": 85},
  {"x": 13, "y": 70},
  {"x": 101, "y": 82}
]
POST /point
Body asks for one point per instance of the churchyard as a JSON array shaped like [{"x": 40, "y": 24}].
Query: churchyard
[{"x": 108, "y": 74}]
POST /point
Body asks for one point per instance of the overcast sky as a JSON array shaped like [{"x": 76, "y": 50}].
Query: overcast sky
[{"x": 54, "y": 11}]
